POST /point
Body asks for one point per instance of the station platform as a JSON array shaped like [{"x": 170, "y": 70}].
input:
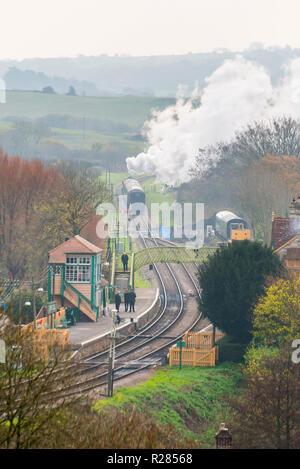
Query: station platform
[{"x": 88, "y": 330}]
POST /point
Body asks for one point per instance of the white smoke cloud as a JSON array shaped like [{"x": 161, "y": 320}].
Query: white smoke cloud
[{"x": 238, "y": 93}]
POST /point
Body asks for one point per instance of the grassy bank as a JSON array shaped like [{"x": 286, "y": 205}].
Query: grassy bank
[{"x": 192, "y": 400}]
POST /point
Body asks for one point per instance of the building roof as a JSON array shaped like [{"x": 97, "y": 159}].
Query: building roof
[
  {"x": 293, "y": 254},
  {"x": 92, "y": 229},
  {"x": 283, "y": 231},
  {"x": 77, "y": 245}
]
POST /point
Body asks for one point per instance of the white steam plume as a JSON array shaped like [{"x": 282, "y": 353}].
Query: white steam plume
[{"x": 238, "y": 93}]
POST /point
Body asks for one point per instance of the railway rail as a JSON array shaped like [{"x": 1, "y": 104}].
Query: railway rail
[{"x": 147, "y": 347}]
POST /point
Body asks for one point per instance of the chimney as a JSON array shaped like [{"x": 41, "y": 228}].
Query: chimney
[{"x": 294, "y": 209}]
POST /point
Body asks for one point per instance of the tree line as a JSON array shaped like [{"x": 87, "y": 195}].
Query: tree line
[
  {"x": 40, "y": 206},
  {"x": 248, "y": 294},
  {"x": 257, "y": 173}
]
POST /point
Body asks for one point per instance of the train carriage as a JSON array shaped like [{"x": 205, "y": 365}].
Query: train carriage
[
  {"x": 135, "y": 195},
  {"x": 230, "y": 227},
  {"x": 134, "y": 191}
]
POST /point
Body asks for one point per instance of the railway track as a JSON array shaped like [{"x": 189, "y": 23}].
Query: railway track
[
  {"x": 148, "y": 346},
  {"x": 190, "y": 268}
]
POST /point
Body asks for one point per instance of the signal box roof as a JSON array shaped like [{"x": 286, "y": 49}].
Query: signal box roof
[{"x": 75, "y": 245}]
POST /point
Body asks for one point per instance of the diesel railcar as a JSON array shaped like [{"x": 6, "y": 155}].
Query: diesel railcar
[{"x": 231, "y": 227}]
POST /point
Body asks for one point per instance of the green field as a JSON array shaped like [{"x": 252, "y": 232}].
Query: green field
[
  {"x": 191, "y": 400},
  {"x": 130, "y": 110},
  {"x": 115, "y": 178},
  {"x": 79, "y": 140},
  {"x": 72, "y": 121},
  {"x": 155, "y": 192}
]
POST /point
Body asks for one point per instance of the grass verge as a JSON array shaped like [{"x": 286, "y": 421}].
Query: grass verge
[{"x": 192, "y": 400}]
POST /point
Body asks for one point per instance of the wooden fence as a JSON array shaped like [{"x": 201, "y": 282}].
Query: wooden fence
[
  {"x": 199, "y": 350},
  {"x": 52, "y": 337},
  {"x": 51, "y": 321},
  {"x": 192, "y": 357},
  {"x": 201, "y": 340},
  {"x": 47, "y": 332}
]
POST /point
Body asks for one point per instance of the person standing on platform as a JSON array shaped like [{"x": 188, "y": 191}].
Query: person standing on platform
[
  {"x": 126, "y": 300},
  {"x": 124, "y": 259},
  {"x": 132, "y": 297},
  {"x": 117, "y": 301}
]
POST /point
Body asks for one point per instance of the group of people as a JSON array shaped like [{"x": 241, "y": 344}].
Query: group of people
[
  {"x": 129, "y": 297},
  {"x": 129, "y": 300}
]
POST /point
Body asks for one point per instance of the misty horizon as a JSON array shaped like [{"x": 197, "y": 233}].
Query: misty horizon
[{"x": 217, "y": 50}]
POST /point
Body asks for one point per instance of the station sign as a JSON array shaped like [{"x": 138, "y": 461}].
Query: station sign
[{"x": 51, "y": 307}]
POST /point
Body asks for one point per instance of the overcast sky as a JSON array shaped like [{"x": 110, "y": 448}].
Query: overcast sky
[{"x": 55, "y": 28}]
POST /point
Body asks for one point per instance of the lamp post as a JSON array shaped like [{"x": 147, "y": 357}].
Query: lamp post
[{"x": 27, "y": 303}]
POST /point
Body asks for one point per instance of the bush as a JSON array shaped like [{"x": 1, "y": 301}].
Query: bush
[
  {"x": 230, "y": 351},
  {"x": 232, "y": 279}
]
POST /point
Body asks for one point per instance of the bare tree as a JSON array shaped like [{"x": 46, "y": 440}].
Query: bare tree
[
  {"x": 32, "y": 379},
  {"x": 279, "y": 136},
  {"x": 267, "y": 186},
  {"x": 73, "y": 205}
]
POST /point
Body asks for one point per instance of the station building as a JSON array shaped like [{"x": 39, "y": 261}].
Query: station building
[{"x": 74, "y": 273}]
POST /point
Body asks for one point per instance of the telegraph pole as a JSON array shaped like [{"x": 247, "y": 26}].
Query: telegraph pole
[{"x": 111, "y": 359}]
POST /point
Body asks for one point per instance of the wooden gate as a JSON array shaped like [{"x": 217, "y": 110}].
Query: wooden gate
[
  {"x": 201, "y": 340},
  {"x": 199, "y": 350},
  {"x": 192, "y": 357}
]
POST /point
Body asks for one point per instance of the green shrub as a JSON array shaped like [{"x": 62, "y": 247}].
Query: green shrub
[{"x": 230, "y": 351}]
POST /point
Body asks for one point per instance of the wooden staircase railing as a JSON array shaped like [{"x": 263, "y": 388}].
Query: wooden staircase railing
[{"x": 77, "y": 298}]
